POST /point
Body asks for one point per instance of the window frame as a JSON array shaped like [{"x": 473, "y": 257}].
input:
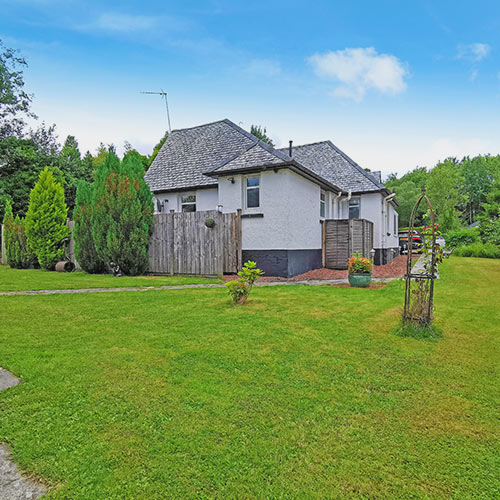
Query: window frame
[
  {"x": 356, "y": 199},
  {"x": 188, "y": 203},
  {"x": 322, "y": 204},
  {"x": 252, "y": 188}
]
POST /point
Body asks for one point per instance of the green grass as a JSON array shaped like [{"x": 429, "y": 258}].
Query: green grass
[
  {"x": 36, "y": 279},
  {"x": 303, "y": 393}
]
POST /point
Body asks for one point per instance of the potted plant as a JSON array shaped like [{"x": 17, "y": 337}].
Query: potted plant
[{"x": 360, "y": 271}]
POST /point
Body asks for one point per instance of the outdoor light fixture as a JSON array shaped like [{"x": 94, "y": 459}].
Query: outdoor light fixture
[{"x": 231, "y": 179}]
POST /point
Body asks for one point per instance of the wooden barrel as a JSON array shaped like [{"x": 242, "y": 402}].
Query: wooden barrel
[{"x": 65, "y": 266}]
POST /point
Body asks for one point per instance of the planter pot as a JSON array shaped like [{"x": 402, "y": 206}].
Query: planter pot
[{"x": 360, "y": 280}]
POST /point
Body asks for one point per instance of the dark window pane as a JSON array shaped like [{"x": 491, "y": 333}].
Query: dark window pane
[
  {"x": 354, "y": 209},
  {"x": 354, "y": 212},
  {"x": 189, "y": 208},
  {"x": 252, "y": 198},
  {"x": 252, "y": 182},
  {"x": 322, "y": 209}
]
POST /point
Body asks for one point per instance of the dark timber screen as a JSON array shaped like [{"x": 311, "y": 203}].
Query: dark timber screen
[
  {"x": 183, "y": 244},
  {"x": 344, "y": 237}
]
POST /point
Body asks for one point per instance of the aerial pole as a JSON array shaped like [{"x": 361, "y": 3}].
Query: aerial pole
[{"x": 163, "y": 95}]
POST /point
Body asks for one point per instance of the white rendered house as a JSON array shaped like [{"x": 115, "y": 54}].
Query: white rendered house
[{"x": 283, "y": 194}]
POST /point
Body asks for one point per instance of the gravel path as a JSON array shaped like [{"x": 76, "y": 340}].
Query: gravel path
[
  {"x": 13, "y": 486},
  {"x": 183, "y": 287}
]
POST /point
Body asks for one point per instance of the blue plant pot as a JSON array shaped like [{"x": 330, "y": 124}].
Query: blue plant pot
[{"x": 360, "y": 280}]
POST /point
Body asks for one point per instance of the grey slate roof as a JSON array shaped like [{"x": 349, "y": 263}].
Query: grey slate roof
[
  {"x": 190, "y": 152},
  {"x": 193, "y": 157},
  {"x": 330, "y": 163}
]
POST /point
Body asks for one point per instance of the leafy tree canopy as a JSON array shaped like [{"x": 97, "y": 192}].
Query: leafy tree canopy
[
  {"x": 14, "y": 100},
  {"x": 261, "y": 133}
]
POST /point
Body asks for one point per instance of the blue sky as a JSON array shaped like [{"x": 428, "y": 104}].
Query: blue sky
[{"x": 394, "y": 84}]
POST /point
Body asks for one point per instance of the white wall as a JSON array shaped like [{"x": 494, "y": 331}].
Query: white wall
[
  {"x": 206, "y": 199},
  {"x": 290, "y": 205}
]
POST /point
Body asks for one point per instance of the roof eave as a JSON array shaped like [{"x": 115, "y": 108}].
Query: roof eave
[{"x": 292, "y": 165}]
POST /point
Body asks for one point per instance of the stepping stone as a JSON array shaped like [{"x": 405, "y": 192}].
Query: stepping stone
[
  {"x": 13, "y": 486},
  {"x": 7, "y": 379}
]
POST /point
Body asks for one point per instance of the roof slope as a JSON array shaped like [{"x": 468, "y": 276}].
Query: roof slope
[
  {"x": 330, "y": 163},
  {"x": 189, "y": 152}
]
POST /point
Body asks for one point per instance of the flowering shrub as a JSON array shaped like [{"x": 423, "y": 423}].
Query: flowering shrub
[
  {"x": 240, "y": 289},
  {"x": 359, "y": 265}
]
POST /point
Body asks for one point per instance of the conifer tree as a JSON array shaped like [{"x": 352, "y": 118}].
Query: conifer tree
[
  {"x": 85, "y": 251},
  {"x": 122, "y": 218},
  {"x": 45, "y": 221},
  {"x": 8, "y": 226}
]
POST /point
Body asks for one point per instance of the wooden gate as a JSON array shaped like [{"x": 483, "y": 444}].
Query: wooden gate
[
  {"x": 183, "y": 244},
  {"x": 344, "y": 237}
]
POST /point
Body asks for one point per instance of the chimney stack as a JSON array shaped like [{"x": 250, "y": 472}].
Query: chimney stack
[{"x": 290, "y": 149}]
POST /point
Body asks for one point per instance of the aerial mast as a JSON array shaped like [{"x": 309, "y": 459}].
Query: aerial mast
[{"x": 163, "y": 95}]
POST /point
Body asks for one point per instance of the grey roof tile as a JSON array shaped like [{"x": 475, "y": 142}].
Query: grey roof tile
[
  {"x": 330, "y": 163},
  {"x": 187, "y": 153}
]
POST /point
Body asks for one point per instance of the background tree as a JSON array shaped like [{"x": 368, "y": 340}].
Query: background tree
[
  {"x": 261, "y": 133},
  {"x": 85, "y": 251},
  {"x": 122, "y": 218},
  {"x": 45, "y": 223},
  {"x": 489, "y": 228},
  {"x": 14, "y": 101},
  {"x": 444, "y": 185},
  {"x": 129, "y": 152}
]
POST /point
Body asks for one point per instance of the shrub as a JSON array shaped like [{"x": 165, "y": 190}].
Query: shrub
[
  {"x": 8, "y": 222},
  {"x": 240, "y": 289},
  {"x": 485, "y": 250},
  {"x": 359, "y": 265},
  {"x": 45, "y": 221},
  {"x": 122, "y": 215},
  {"x": 85, "y": 251},
  {"x": 461, "y": 237},
  {"x": 19, "y": 255}
]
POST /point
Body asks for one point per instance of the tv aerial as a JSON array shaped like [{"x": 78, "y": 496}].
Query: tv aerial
[{"x": 163, "y": 95}]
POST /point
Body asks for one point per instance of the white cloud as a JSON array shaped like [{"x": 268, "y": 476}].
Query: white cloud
[
  {"x": 263, "y": 67},
  {"x": 124, "y": 22},
  {"x": 118, "y": 22},
  {"x": 359, "y": 70},
  {"x": 474, "y": 52}
]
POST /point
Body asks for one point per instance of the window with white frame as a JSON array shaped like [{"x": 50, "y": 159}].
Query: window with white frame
[
  {"x": 188, "y": 203},
  {"x": 395, "y": 223},
  {"x": 253, "y": 192},
  {"x": 354, "y": 204},
  {"x": 322, "y": 204}
]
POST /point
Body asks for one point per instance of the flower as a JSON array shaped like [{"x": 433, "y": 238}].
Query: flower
[{"x": 359, "y": 265}]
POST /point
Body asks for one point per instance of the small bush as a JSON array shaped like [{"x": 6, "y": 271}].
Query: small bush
[
  {"x": 484, "y": 250},
  {"x": 240, "y": 289},
  {"x": 19, "y": 255},
  {"x": 461, "y": 237}
]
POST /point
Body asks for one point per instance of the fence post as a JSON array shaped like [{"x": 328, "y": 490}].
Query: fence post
[
  {"x": 239, "y": 241},
  {"x": 323, "y": 243}
]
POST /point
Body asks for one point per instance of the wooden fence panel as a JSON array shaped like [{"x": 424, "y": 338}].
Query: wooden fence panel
[
  {"x": 344, "y": 237},
  {"x": 182, "y": 244}
]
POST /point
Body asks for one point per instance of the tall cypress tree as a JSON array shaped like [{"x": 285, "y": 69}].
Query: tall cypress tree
[
  {"x": 85, "y": 251},
  {"x": 45, "y": 220},
  {"x": 122, "y": 218}
]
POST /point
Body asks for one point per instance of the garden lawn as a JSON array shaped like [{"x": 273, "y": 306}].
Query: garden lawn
[
  {"x": 303, "y": 393},
  {"x": 36, "y": 279}
]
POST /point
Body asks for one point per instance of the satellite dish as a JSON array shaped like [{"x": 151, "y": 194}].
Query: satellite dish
[{"x": 159, "y": 205}]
